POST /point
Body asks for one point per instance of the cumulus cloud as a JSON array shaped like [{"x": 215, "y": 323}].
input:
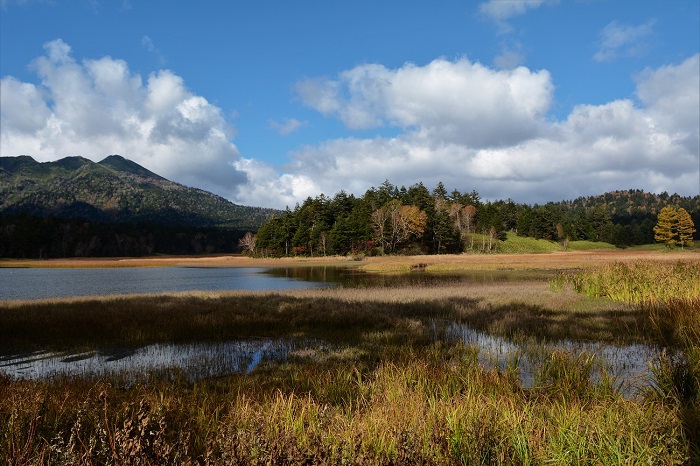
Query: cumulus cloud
[
  {"x": 95, "y": 108},
  {"x": 460, "y": 123},
  {"x": 450, "y": 101},
  {"x": 622, "y": 40}
]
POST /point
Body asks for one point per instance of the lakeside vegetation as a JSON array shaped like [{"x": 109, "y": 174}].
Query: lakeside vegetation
[
  {"x": 384, "y": 390},
  {"x": 415, "y": 220}
]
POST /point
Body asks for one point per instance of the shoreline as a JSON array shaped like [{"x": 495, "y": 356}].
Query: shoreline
[{"x": 385, "y": 264}]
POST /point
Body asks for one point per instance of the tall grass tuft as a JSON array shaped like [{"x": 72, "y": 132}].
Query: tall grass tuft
[{"x": 640, "y": 282}]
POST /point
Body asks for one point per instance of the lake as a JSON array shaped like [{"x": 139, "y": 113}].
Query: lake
[
  {"x": 43, "y": 283},
  {"x": 39, "y": 283}
]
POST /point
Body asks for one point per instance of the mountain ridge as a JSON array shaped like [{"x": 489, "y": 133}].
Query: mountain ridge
[{"x": 115, "y": 189}]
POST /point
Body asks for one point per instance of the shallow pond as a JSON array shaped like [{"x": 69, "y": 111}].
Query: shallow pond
[{"x": 627, "y": 365}]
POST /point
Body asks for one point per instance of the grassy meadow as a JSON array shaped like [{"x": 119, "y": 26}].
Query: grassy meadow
[{"x": 388, "y": 387}]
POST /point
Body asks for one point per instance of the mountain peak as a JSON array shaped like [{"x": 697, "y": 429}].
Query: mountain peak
[{"x": 119, "y": 163}]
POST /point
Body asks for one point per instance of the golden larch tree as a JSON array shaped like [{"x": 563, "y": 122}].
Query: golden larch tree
[
  {"x": 685, "y": 228},
  {"x": 664, "y": 231}
]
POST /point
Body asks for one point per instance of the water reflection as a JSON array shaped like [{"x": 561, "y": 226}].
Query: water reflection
[
  {"x": 353, "y": 277},
  {"x": 628, "y": 365},
  {"x": 197, "y": 360}
]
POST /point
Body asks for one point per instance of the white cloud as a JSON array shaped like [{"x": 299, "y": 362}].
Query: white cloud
[
  {"x": 459, "y": 122},
  {"x": 97, "y": 108},
  {"x": 510, "y": 57},
  {"x": 621, "y": 40},
  {"x": 287, "y": 126},
  {"x": 500, "y": 11},
  {"x": 150, "y": 45},
  {"x": 452, "y": 101},
  {"x": 442, "y": 107}
]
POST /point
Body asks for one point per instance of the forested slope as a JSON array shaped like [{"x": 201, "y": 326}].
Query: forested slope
[{"x": 76, "y": 207}]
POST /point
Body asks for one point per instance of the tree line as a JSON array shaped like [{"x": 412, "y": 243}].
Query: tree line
[
  {"x": 28, "y": 236},
  {"x": 416, "y": 220}
]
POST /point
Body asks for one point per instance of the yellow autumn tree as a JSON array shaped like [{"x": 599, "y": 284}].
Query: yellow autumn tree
[
  {"x": 674, "y": 227},
  {"x": 665, "y": 229},
  {"x": 684, "y": 228}
]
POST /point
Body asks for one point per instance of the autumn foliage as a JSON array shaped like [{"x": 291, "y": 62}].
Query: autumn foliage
[{"x": 674, "y": 227}]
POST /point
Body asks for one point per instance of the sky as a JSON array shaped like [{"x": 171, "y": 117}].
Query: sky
[{"x": 269, "y": 102}]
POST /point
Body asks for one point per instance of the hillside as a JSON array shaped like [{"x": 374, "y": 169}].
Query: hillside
[
  {"x": 114, "y": 190},
  {"x": 74, "y": 207}
]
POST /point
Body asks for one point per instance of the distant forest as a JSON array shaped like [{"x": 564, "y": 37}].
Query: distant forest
[
  {"x": 387, "y": 219},
  {"x": 30, "y": 236},
  {"x": 415, "y": 220}
]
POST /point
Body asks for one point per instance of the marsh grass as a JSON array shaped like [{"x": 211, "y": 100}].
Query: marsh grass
[
  {"x": 393, "y": 395},
  {"x": 337, "y": 316},
  {"x": 435, "y": 405},
  {"x": 667, "y": 296},
  {"x": 639, "y": 282}
]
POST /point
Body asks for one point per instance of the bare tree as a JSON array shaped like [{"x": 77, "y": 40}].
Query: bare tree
[{"x": 247, "y": 243}]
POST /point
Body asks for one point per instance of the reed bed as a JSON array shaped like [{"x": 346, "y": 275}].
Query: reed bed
[
  {"x": 667, "y": 296},
  {"x": 429, "y": 406},
  {"x": 393, "y": 394}
]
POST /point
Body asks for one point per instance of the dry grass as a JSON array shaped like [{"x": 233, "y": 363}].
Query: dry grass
[
  {"x": 438, "y": 263},
  {"x": 394, "y": 395},
  {"x": 433, "y": 407}
]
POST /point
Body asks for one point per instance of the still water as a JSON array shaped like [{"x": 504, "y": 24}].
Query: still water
[
  {"x": 195, "y": 360},
  {"x": 29, "y": 283}
]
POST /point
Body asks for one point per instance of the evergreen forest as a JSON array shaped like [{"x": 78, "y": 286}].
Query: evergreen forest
[{"x": 416, "y": 220}]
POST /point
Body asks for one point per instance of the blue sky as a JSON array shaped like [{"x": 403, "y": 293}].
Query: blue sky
[{"x": 269, "y": 102}]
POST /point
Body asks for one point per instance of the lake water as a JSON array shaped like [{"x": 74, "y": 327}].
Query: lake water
[
  {"x": 31, "y": 283},
  {"x": 628, "y": 365},
  {"x": 39, "y": 283}
]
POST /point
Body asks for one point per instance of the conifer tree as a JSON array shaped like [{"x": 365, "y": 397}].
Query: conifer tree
[
  {"x": 684, "y": 227},
  {"x": 665, "y": 229}
]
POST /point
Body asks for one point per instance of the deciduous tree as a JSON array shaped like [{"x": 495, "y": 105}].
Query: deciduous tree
[
  {"x": 247, "y": 243},
  {"x": 665, "y": 229},
  {"x": 393, "y": 224},
  {"x": 684, "y": 227}
]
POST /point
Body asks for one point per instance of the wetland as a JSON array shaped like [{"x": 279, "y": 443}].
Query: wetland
[{"x": 477, "y": 366}]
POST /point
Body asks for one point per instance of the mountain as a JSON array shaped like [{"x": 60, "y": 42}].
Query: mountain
[{"x": 115, "y": 190}]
